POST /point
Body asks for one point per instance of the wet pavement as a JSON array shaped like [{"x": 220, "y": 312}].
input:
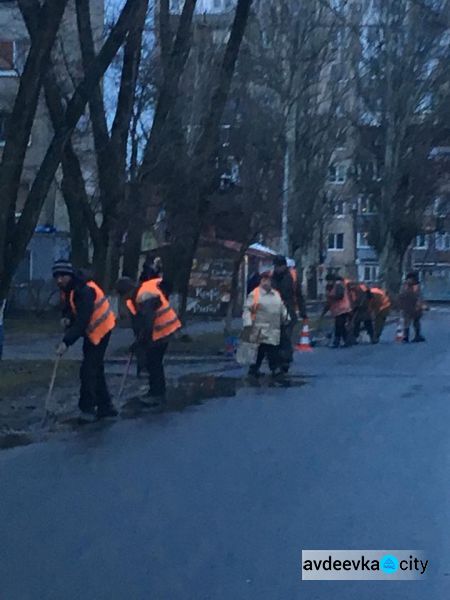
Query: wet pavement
[{"x": 216, "y": 501}]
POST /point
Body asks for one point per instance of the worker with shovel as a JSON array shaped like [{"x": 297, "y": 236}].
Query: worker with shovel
[
  {"x": 87, "y": 314},
  {"x": 154, "y": 322}
]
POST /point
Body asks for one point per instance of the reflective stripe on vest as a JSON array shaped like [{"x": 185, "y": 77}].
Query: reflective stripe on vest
[
  {"x": 131, "y": 307},
  {"x": 102, "y": 320},
  {"x": 294, "y": 275},
  {"x": 256, "y": 294},
  {"x": 166, "y": 320}
]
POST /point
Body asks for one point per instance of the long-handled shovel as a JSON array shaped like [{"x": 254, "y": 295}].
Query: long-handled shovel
[
  {"x": 125, "y": 375},
  {"x": 50, "y": 392}
]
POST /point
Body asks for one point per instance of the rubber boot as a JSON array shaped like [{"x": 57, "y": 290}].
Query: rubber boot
[{"x": 418, "y": 337}]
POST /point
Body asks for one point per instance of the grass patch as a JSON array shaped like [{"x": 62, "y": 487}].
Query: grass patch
[
  {"x": 48, "y": 323},
  {"x": 18, "y": 376}
]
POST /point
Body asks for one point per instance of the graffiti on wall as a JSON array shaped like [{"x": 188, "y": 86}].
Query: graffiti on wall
[{"x": 209, "y": 286}]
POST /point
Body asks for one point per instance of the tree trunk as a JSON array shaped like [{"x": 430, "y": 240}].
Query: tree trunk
[
  {"x": 100, "y": 257},
  {"x": 133, "y": 244},
  {"x": 47, "y": 18},
  {"x": 79, "y": 233},
  {"x": 178, "y": 260},
  {"x": 391, "y": 261},
  {"x": 188, "y": 216},
  {"x": 113, "y": 252},
  {"x": 234, "y": 289},
  {"x": 169, "y": 93},
  {"x": 24, "y": 229},
  {"x": 111, "y": 151}
]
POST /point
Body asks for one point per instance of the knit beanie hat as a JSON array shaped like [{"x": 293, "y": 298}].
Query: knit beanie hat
[{"x": 62, "y": 267}]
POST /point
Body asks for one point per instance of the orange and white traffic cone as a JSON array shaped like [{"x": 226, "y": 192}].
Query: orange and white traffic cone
[
  {"x": 400, "y": 332},
  {"x": 304, "y": 345}
]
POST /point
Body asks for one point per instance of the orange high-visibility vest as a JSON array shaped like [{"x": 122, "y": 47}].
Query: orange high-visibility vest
[
  {"x": 383, "y": 299},
  {"x": 294, "y": 275},
  {"x": 102, "y": 319},
  {"x": 256, "y": 294},
  {"x": 166, "y": 320}
]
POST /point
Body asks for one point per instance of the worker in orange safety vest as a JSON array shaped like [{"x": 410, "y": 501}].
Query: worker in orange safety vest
[
  {"x": 379, "y": 308},
  {"x": 286, "y": 282},
  {"x": 154, "y": 322},
  {"x": 87, "y": 314}
]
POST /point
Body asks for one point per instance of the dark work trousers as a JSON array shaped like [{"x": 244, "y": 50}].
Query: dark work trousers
[
  {"x": 380, "y": 321},
  {"x": 94, "y": 391},
  {"x": 273, "y": 358},
  {"x": 358, "y": 320},
  {"x": 155, "y": 367},
  {"x": 286, "y": 351},
  {"x": 415, "y": 323},
  {"x": 340, "y": 329}
]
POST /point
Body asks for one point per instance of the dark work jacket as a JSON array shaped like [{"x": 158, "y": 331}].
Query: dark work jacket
[
  {"x": 410, "y": 301},
  {"x": 290, "y": 294},
  {"x": 84, "y": 300},
  {"x": 142, "y": 321}
]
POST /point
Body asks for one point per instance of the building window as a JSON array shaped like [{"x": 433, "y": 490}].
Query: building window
[
  {"x": 339, "y": 208},
  {"x": 366, "y": 206},
  {"x": 337, "y": 173},
  {"x": 225, "y": 132},
  {"x": 442, "y": 241},
  {"x": 13, "y": 55},
  {"x": 335, "y": 241},
  {"x": 3, "y": 125},
  {"x": 421, "y": 242},
  {"x": 24, "y": 270},
  {"x": 362, "y": 239},
  {"x": 6, "y": 56},
  {"x": 371, "y": 273},
  {"x": 440, "y": 207},
  {"x": 231, "y": 176}
]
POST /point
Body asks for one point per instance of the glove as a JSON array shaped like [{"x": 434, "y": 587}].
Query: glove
[
  {"x": 61, "y": 349},
  {"x": 65, "y": 322}
]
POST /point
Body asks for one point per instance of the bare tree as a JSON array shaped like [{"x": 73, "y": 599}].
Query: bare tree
[
  {"x": 111, "y": 147},
  {"x": 14, "y": 237},
  {"x": 189, "y": 178},
  {"x": 402, "y": 74},
  {"x": 295, "y": 57},
  {"x": 48, "y": 18}
]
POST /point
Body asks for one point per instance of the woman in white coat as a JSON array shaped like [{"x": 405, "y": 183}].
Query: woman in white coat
[{"x": 264, "y": 314}]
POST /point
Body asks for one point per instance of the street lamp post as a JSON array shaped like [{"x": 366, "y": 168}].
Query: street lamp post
[{"x": 355, "y": 236}]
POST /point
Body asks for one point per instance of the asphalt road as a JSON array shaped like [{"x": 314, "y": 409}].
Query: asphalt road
[{"x": 217, "y": 502}]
